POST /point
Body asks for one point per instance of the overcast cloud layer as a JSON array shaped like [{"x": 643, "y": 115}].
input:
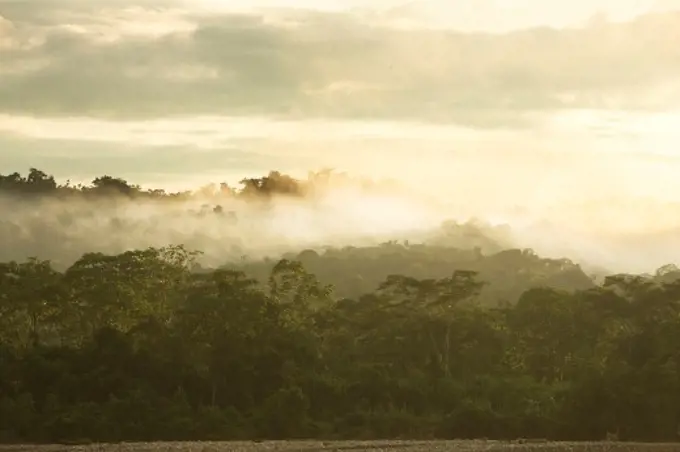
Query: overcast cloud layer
[{"x": 118, "y": 60}]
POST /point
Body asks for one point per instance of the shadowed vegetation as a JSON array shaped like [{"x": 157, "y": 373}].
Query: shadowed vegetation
[{"x": 145, "y": 345}]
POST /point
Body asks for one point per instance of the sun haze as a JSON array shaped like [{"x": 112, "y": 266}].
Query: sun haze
[{"x": 544, "y": 114}]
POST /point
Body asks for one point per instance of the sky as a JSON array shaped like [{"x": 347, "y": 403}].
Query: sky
[{"x": 568, "y": 108}]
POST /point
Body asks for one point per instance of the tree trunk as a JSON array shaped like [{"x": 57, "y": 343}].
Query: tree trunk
[
  {"x": 435, "y": 351},
  {"x": 35, "y": 340},
  {"x": 447, "y": 350}
]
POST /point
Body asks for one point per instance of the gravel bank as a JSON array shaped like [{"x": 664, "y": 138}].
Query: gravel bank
[{"x": 353, "y": 446}]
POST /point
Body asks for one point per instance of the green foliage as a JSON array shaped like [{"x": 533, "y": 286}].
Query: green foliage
[
  {"x": 39, "y": 184},
  {"x": 424, "y": 270},
  {"x": 138, "y": 346}
]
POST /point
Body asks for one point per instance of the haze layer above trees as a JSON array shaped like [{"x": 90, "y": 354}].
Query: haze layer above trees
[
  {"x": 266, "y": 216},
  {"x": 275, "y": 214}
]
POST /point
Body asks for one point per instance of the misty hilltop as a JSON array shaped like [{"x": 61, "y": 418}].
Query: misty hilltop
[{"x": 355, "y": 231}]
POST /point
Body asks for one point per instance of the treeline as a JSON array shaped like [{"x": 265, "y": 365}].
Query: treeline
[
  {"x": 147, "y": 346},
  {"x": 39, "y": 183}
]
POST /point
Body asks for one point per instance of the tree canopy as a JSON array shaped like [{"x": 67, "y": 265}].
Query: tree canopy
[
  {"x": 146, "y": 345},
  {"x": 39, "y": 183}
]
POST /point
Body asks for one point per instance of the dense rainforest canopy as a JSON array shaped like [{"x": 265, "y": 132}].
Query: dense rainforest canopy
[
  {"x": 393, "y": 340},
  {"x": 139, "y": 346}
]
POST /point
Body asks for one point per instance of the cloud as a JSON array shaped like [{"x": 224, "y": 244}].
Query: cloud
[{"x": 154, "y": 60}]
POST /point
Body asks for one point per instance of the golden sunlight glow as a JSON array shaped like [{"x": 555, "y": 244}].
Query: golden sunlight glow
[
  {"x": 490, "y": 15},
  {"x": 532, "y": 126}
]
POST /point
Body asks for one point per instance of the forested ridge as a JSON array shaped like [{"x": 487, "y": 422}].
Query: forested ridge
[
  {"x": 394, "y": 340},
  {"x": 39, "y": 183}
]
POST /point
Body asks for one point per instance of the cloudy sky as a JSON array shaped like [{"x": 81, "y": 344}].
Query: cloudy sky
[{"x": 516, "y": 101}]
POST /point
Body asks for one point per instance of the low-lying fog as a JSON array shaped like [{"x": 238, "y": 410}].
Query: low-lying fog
[{"x": 616, "y": 236}]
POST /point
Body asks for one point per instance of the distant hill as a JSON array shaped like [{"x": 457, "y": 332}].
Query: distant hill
[{"x": 356, "y": 271}]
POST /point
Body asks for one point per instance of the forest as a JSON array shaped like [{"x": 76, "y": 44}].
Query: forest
[
  {"x": 398, "y": 339},
  {"x": 40, "y": 183}
]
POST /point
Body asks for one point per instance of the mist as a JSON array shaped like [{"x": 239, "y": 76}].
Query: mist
[
  {"x": 604, "y": 236},
  {"x": 64, "y": 229}
]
